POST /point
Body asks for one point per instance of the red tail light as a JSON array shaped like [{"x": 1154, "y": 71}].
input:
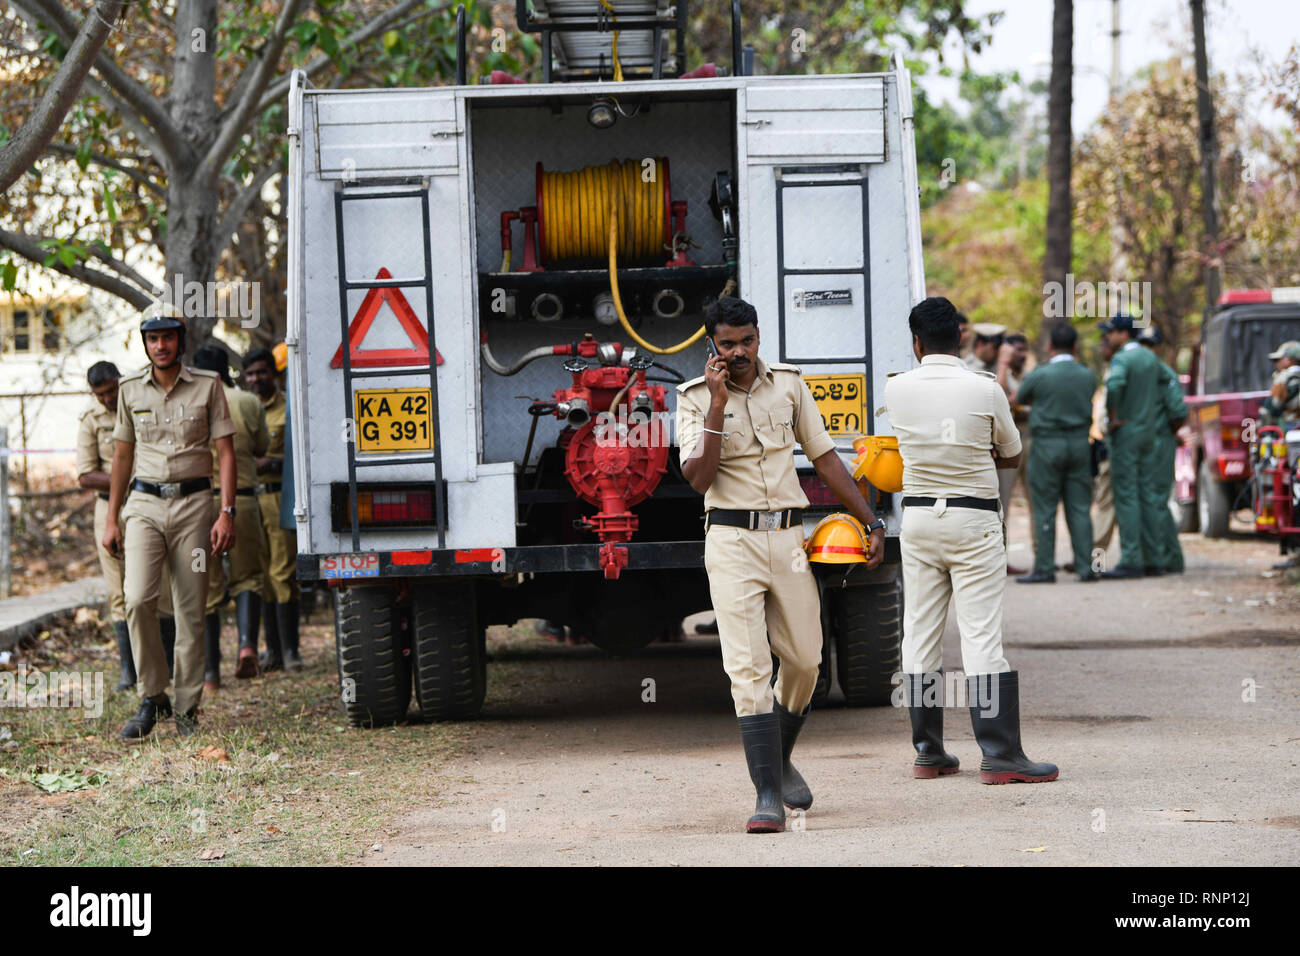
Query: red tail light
[{"x": 818, "y": 494}]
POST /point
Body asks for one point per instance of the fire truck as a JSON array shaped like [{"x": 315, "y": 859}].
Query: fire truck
[
  {"x": 1230, "y": 377},
  {"x": 494, "y": 288}
]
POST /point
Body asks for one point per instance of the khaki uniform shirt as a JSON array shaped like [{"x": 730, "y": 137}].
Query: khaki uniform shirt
[
  {"x": 251, "y": 435},
  {"x": 973, "y": 363},
  {"x": 172, "y": 430},
  {"x": 95, "y": 440},
  {"x": 756, "y": 462},
  {"x": 947, "y": 418},
  {"x": 276, "y": 409}
]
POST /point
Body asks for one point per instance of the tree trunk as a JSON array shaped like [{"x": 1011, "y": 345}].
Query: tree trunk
[
  {"x": 1056, "y": 260},
  {"x": 192, "y": 189},
  {"x": 1209, "y": 155}
]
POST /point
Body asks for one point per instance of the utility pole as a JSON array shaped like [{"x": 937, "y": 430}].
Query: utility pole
[
  {"x": 1209, "y": 156},
  {"x": 1118, "y": 261}
]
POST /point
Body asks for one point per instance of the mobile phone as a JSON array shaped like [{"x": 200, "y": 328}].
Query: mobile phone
[{"x": 708, "y": 344}]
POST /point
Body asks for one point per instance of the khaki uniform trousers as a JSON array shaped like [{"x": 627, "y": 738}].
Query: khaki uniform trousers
[
  {"x": 245, "y": 558},
  {"x": 952, "y": 553},
  {"x": 279, "y": 554},
  {"x": 115, "y": 573},
  {"x": 171, "y": 534},
  {"x": 766, "y": 602},
  {"x": 1103, "y": 507}
]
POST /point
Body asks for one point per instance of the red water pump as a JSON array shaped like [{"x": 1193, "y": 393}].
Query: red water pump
[{"x": 616, "y": 450}]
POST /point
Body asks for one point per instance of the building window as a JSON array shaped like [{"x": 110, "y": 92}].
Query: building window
[
  {"x": 52, "y": 330},
  {"x": 22, "y": 331}
]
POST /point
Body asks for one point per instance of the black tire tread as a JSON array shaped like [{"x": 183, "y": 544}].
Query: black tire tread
[
  {"x": 370, "y": 653},
  {"x": 868, "y": 641},
  {"x": 1219, "y": 507},
  {"x": 450, "y": 661}
]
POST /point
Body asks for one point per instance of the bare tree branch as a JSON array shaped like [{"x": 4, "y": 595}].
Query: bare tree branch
[
  {"x": 239, "y": 205},
  {"x": 17, "y": 155},
  {"x": 266, "y": 61},
  {"x": 277, "y": 90},
  {"x": 148, "y": 139},
  {"x": 139, "y": 175},
  {"x": 149, "y": 107},
  {"x": 30, "y": 249},
  {"x": 120, "y": 267}
]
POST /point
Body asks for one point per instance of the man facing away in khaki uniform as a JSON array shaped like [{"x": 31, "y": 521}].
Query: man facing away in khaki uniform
[
  {"x": 280, "y": 582},
  {"x": 954, "y": 431},
  {"x": 244, "y": 583},
  {"x": 166, "y": 417},
  {"x": 94, "y": 464},
  {"x": 736, "y": 427}
]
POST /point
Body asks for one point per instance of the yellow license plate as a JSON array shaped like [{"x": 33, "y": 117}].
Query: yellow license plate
[
  {"x": 842, "y": 401},
  {"x": 394, "y": 419}
]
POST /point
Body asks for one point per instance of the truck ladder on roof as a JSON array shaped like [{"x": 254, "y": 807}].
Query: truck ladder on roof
[{"x": 401, "y": 188}]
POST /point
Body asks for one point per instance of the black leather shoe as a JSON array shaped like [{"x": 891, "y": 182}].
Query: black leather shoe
[
  {"x": 1122, "y": 572},
  {"x": 1089, "y": 578},
  {"x": 1153, "y": 572},
  {"x": 150, "y": 713},
  {"x": 925, "y": 710},
  {"x": 286, "y": 616},
  {"x": 187, "y": 722},
  {"x": 1038, "y": 577},
  {"x": 995, "y": 717},
  {"x": 794, "y": 791},
  {"x": 123, "y": 636},
  {"x": 707, "y": 627},
  {"x": 761, "y": 736}
]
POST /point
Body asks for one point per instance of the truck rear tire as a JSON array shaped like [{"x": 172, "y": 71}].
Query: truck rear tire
[
  {"x": 868, "y": 626},
  {"x": 1212, "y": 504},
  {"x": 374, "y": 670},
  {"x": 449, "y": 650}
]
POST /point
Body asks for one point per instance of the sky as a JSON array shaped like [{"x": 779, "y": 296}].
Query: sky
[{"x": 1150, "y": 30}]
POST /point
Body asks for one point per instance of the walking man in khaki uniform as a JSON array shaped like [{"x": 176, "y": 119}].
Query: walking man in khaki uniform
[
  {"x": 736, "y": 427},
  {"x": 166, "y": 417},
  {"x": 245, "y": 581},
  {"x": 280, "y": 582},
  {"x": 94, "y": 466},
  {"x": 954, "y": 431}
]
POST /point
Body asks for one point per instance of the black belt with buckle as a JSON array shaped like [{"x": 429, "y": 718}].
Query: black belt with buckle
[
  {"x": 754, "y": 520},
  {"x": 172, "y": 489},
  {"x": 102, "y": 495},
  {"x": 983, "y": 504},
  {"x": 268, "y": 489},
  {"x": 245, "y": 492}
]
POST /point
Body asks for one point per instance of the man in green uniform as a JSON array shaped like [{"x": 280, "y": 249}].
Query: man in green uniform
[
  {"x": 1283, "y": 403},
  {"x": 1169, "y": 558},
  {"x": 244, "y": 583},
  {"x": 1135, "y": 404},
  {"x": 1059, "y": 394},
  {"x": 280, "y": 585}
]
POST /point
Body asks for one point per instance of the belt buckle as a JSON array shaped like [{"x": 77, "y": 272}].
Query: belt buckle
[
  {"x": 169, "y": 489},
  {"x": 770, "y": 520},
  {"x": 259, "y": 490}
]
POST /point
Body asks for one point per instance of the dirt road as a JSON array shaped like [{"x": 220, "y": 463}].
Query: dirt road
[{"x": 1140, "y": 690}]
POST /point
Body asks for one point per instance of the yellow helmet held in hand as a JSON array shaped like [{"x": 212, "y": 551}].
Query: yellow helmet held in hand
[
  {"x": 838, "y": 539},
  {"x": 879, "y": 462},
  {"x": 281, "y": 353}
]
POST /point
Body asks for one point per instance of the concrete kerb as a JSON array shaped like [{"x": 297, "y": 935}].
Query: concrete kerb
[{"x": 30, "y": 613}]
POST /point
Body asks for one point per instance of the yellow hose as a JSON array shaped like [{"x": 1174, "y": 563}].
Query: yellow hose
[{"x": 613, "y": 206}]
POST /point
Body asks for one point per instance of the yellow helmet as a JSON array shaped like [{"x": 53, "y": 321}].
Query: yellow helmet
[
  {"x": 879, "y": 462},
  {"x": 281, "y": 353},
  {"x": 838, "y": 539}
]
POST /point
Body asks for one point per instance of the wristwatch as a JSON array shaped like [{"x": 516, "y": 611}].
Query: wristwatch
[
  {"x": 229, "y": 511},
  {"x": 878, "y": 524}
]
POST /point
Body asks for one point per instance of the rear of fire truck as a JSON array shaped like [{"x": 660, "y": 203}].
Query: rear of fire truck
[{"x": 493, "y": 290}]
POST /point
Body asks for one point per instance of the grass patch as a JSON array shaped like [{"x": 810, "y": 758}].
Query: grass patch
[{"x": 274, "y": 775}]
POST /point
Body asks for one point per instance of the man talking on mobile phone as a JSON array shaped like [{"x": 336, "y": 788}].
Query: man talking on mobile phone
[{"x": 736, "y": 427}]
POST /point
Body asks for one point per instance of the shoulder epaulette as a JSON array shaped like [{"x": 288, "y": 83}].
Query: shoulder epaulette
[
  {"x": 785, "y": 367},
  {"x": 140, "y": 373},
  {"x": 690, "y": 384},
  {"x": 204, "y": 372},
  {"x": 978, "y": 371}
]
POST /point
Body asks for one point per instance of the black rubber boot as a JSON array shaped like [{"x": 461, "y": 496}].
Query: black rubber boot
[
  {"x": 995, "y": 717},
  {"x": 212, "y": 651},
  {"x": 794, "y": 791},
  {"x": 167, "y": 626},
  {"x": 123, "y": 636},
  {"x": 272, "y": 660},
  {"x": 925, "y": 709},
  {"x": 761, "y": 736},
  {"x": 286, "y": 615},
  {"x": 151, "y": 711},
  {"x": 248, "y": 613}
]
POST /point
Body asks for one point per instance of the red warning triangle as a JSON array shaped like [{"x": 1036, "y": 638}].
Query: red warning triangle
[{"x": 418, "y": 354}]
